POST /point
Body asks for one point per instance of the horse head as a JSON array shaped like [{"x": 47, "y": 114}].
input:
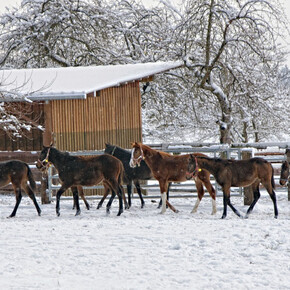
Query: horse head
[
  {"x": 109, "y": 148},
  {"x": 43, "y": 161},
  {"x": 137, "y": 154},
  {"x": 284, "y": 173},
  {"x": 192, "y": 168}
]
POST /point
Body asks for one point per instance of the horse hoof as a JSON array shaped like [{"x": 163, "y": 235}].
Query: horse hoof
[
  {"x": 58, "y": 214},
  {"x": 176, "y": 211},
  {"x": 78, "y": 213}
]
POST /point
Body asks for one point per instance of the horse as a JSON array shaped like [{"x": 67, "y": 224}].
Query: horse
[
  {"x": 284, "y": 173},
  {"x": 80, "y": 190},
  {"x": 136, "y": 174},
  {"x": 228, "y": 173},
  {"x": 77, "y": 171},
  {"x": 18, "y": 173},
  {"x": 171, "y": 168}
]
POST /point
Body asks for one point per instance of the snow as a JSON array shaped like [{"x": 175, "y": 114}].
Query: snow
[
  {"x": 143, "y": 249},
  {"x": 76, "y": 82}
]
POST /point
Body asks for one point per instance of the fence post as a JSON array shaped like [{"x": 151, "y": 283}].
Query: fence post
[
  {"x": 287, "y": 153},
  {"x": 248, "y": 192}
]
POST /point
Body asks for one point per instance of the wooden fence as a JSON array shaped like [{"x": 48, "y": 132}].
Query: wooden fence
[
  {"x": 48, "y": 185},
  {"x": 188, "y": 189}
]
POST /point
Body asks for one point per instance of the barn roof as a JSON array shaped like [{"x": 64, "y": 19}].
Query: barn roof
[{"x": 75, "y": 82}]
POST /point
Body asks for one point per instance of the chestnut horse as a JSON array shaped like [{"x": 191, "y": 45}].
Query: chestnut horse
[
  {"x": 171, "y": 168},
  {"x": 284, "y": 173},
  {"x": 18, "y": 173},
  {"x": 240, "y": 173},
  {"x": 77, "y": 171}
]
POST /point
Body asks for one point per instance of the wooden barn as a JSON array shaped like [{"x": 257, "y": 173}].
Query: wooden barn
[{"x": 80, "y": 108}]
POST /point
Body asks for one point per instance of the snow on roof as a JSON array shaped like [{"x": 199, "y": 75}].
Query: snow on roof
[{"x": 75, "y": 82}]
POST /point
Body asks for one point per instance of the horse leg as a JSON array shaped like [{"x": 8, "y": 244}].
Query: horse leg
[
  {"x": 18, "y": 196},
  {"x": 138, "y": 187},
  {"x": 167, "y": 195},
  {"x": 58, "y": 195},
  {"x": 107, "y": 191},
  {"x": 31, "y": 194},
  {"x": 212, "y": 193},
  {"x": 121, "y": 196},
  {"x": 121, "y": 189},
  {"x": 109, "y": 204},
  {"x": 256, "y": 193},
  {"x": 273, "y": 197},
  {"x": 76, "y": 199},
  {"x": 163, "y": 189},
  {"x": 233, "y": 208},
  {"x": 200, "y": 194},
  {"x": 82, "y": 195},
  {"x": 116, "y": 187},
  {"x": 129, "y": 191}
]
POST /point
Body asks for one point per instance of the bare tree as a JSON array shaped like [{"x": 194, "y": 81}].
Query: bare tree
[
  {"x": 231, "y": 83},
  {"x": 237, "y": 59}
]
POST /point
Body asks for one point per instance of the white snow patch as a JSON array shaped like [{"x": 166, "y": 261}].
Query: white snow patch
[{"x": 142, "y": 249}]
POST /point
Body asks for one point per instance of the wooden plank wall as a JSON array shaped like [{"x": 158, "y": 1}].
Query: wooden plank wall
[{"x": 114, "y": 116}]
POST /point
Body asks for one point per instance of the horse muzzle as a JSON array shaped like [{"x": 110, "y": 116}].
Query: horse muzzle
[
  {"x": 189, "y": 175},
  {"x": 134, "y": 162},
  {"x": 42, "y": 165},
  {"x": 283, "y": 181}
]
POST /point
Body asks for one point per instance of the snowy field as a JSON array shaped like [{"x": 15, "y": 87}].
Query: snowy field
[{"x": 143, "y": 249}]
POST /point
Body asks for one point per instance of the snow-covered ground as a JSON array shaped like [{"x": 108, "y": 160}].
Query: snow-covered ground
[{"x": 142, "y": 249}]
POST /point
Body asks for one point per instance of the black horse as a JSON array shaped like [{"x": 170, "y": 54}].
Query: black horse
[
  {"x": 142, "y": 172},
  {"x": 77, "y": 171},
  {"x": 18, "y": 173}
]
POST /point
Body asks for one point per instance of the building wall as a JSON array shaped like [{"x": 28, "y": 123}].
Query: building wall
[{"x": 113, "y": 115}]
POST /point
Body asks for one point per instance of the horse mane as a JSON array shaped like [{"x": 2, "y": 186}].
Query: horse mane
[
  {"x": 117, "y": 147},
  {"x": 161, "y": 153}
]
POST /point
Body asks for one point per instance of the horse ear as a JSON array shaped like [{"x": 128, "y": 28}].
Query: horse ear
[{"x": 51, "y": 144}]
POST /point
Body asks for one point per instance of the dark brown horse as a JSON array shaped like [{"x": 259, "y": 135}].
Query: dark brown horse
[
  {"x": 18, "y": 173},
  {"x": 77, "y": 171},
  {"x": 171, "y": 168},
  {"x": 80, "y": 188},
  {"x": 284, "y": 173},
  {"x": 240, "y": 173}
]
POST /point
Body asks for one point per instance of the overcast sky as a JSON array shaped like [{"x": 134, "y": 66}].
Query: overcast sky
[{"x": 4, "y": 3}]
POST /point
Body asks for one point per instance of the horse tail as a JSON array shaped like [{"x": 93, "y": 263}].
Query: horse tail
[
  {"x": 30, "y": 178},
  {"x": 121, "y": 175},
  {"x": 272, "y": 178}
]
